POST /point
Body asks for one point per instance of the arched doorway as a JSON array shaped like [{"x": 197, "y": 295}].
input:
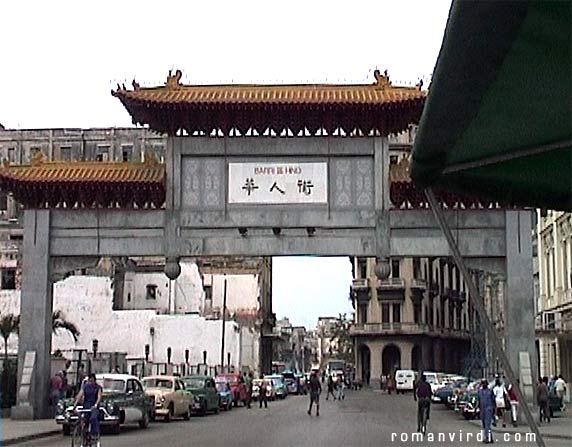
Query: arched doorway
[
  {"x": 416, "y": 358},
  {"x": 365, "y": 363},
  {"x": 390, "y": 359}
]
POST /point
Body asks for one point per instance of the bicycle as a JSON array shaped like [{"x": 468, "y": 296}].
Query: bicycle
[{"x": 79, "y": 423}]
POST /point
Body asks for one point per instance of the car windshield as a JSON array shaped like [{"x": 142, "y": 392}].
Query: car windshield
[
  {"x": 158, "y": 383},
  {"x": 288, "y": 375},
  {"x": 194, "y": 383},
  {"x": 221, "y": 386},
  {"x": 112, "y": 385}
]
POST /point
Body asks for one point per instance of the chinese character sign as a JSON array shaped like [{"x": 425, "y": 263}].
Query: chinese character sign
[{"x": 275, "y": 183}]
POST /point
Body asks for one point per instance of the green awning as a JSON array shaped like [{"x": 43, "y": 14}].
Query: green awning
[{"x": 497, "y": 122}]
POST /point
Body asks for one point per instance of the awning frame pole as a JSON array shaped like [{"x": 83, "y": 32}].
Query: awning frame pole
[{"x": 477, "y": 301}]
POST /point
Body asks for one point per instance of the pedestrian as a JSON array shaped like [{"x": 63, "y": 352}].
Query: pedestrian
[
  {"x": 55, "y": 391},
  {"x": 487, "y": 407},
  {"x": 65, "y": 385},
  {"x": 367, "y": 377},
  {"x": 513, "y": 399},
  {"x": 248, "y": 382},
  {"x": 389, "y": 384},
  {"x": 341, "y": 388},
  {"x": 263, "y": 397},
  {"x": 560, "y": 387},
  {"x": 501, "y": 398},
  {"x": 330, "y": 388},
  {"x": 422, "y": 392},
  {"x": 315, "y": 391},
  {"x": 80, "y": 376},
  {"x": 542, "y": 399}
]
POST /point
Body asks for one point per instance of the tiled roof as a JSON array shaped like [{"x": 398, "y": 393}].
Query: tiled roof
[
  {"x": 85, "y": 172},
  {"x": 85, "y": 184},
  {"x": 377, "y": 106}
]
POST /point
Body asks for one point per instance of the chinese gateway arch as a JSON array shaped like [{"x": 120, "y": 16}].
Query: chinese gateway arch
[{"x": 252, "y": 170}]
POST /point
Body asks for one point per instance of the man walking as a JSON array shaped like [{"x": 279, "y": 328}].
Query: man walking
[
  {"x": 560, "y": 387},
  {"x": 341, "y": 387},
  {"x": 330, "y": 388},
  {"x": 422, "y": 393},
  {"x": 315, "y": 390},
  {"x": 248, "y": 384},
  {"x": 542, "y": 399},
  {"x": 487, "y": 407},
  {"x": 263, "y": 397},
  {"x": 501, "y": 399}
]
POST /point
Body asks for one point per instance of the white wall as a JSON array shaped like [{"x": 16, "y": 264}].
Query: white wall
[
  {"x": 87, "y": 302},
  {"x": 242, "y": 291},
  {"x": 186, "y": 291}
]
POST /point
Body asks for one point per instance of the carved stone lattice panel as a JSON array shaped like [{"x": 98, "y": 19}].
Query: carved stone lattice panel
[
  {"x": 352, "y": 183},
  {"x": 202, "y": 183}
]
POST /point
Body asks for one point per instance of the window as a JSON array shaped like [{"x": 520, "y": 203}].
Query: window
[
  {"x": 12, "y": 154},
  {"x": 363, "y": 313},
  {"x": 129, "y": 297},
  {"x": 385, "y": 313},
  {"x": 565, "y": 284},
  {"x": 126, "y": 152},
  {"x": 3, "y": 201},
  {"x": 151, "y": 292},
  {"x": 395, "y": 268},
  {"x": 417, "y": 313},
  {"x": 102, "y": 153},
  {"x": 208, "y": 293},
  {"x": 362, "y": 267},
  {"x": 66, "y": 153},
  {"x": 416, "y": 268},
  {"x": 8, "y": 279},
  {"x": 393, "y": 159},
  {"x": 397, "y": 313}
]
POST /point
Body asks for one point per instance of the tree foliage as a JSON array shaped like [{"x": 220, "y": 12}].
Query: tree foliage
[{"x": 341, "y": 339}]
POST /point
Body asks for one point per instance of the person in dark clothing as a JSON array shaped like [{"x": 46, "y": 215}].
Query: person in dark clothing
[
  {"x": 330, "y": 388},
  {"x": 90, "y": 397},
  {"x": 315, "y": 391},
  {"x": 263, "y": 396},
  {"x": 542, "y": 399},
  {"x": 422, "y": 394}
]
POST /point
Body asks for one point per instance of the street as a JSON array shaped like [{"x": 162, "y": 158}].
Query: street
[{"x": 364, "y": 418}]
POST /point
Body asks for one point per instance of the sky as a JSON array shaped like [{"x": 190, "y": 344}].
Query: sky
[{"x": 60, "y": 60}]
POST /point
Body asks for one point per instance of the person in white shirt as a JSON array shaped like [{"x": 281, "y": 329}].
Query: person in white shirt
[
  {"x": 500, "y": 394},
  {"x": 560, "y": 388}
]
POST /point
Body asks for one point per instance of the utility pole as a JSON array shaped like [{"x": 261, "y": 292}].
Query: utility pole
[{"x": 223, "y": 324}]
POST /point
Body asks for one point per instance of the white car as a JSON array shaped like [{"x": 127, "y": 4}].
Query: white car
[{"x": 404, "y": 380}]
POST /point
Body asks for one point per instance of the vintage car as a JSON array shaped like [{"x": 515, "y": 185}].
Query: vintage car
[
  {"x": 237, "y": 386},
  {"x": 124, "y": 402},
  {"x": 224, "y": 394},
  {"x": 171, "y": 397},
  {"x": 302, "y": 383},
  {"x": 206, "y": 395},
  {"x": 292, "y": 382},
  {"x": 470, "y": 408},
  {"x": 278, "y": 385}
]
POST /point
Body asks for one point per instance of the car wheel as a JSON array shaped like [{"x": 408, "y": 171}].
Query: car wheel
[
  {"x": 169, "y": 414},
  {"x": 229, "y": 406},
  {"x": 144, "y": 422},
  {"x": 66, "y": 429},
  {"x": 217, "y": 409},
  {"x": 187, "y": 414},
  {"x": 467, "y": 416}
]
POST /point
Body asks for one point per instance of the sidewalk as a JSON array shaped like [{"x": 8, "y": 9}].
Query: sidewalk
[
  {"x": 15, "y": 432},
  {"x": 560, "y": 427}
]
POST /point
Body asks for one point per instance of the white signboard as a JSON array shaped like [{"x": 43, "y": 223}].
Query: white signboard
[{"x": 276, "y": 183}]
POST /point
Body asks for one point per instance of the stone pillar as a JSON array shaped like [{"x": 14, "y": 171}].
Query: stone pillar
[
  {"x": 406, "y": 349},
  {"x": 375, "y": 350},
  {"x": 35, "y": 336},
  {"x": 519, "y": 300},
  {"x": 438, "y": 350}
]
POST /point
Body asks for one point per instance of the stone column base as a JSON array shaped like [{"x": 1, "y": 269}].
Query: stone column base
[{"x": 22, "y": 413}]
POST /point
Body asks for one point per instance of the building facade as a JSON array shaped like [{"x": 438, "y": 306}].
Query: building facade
[{"x": 554, "y": 317}]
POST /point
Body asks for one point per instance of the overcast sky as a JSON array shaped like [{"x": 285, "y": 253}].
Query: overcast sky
[{"x": 60, "y": 59}]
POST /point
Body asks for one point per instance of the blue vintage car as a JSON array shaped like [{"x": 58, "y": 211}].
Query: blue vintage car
[{"x": 224, "y": 394}]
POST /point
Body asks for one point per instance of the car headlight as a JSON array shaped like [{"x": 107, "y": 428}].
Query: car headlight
[
  {"x": 197, "y": 399},
  {"x": 60, "y": 407},
  {"x": 110, "y": 407}
]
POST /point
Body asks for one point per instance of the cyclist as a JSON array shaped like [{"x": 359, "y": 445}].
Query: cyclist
[
  {"x": 90, "y": 396},
  {"x": 422, "y": 393}
]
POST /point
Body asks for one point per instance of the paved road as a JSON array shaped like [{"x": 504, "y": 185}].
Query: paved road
[{"x": 364, "y": 418}]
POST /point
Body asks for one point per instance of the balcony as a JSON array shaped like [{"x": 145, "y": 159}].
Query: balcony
[
  {"x": 376, "y": 329},
  {"x": 433, "y": 290},
  {"x": 392, "y": 289},
  {"x": 419, "y": 284},
  {"x": 361, "y": 290}
]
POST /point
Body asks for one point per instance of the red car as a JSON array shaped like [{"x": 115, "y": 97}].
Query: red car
[{"x": 237, "y": 387}]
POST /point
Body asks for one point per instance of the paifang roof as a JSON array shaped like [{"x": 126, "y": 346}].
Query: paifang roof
[
  {"x": 379, "y": 106},
  {"x": 85, "y": 184}
]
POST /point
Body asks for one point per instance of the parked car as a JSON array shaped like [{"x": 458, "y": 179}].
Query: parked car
[
  {"x": 471, "y": 406},
  {"x": 224, "y": 394},
  {"x": 278, "y": 385},
  {"x": 206, "y": 395},
  {"x": 237, "y": 386},
  {"x": 124, "y": 402},
  {"x": 256, "y": 389},
  {"x": 302, "y": 383},
  {"x": 292, "y": 382},
  {"x": 171, "y": 397}
]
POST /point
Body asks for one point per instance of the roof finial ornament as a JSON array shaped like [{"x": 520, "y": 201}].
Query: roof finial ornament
[
  {"x": 419, "y": 85},
  {"x": 150, "y": 158},
  {"x": 135, "y": 85},
  {"x": 174, "y": 81},
  {"x": 382, "y": 80},
  {"x": 38, "y": 158}
]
